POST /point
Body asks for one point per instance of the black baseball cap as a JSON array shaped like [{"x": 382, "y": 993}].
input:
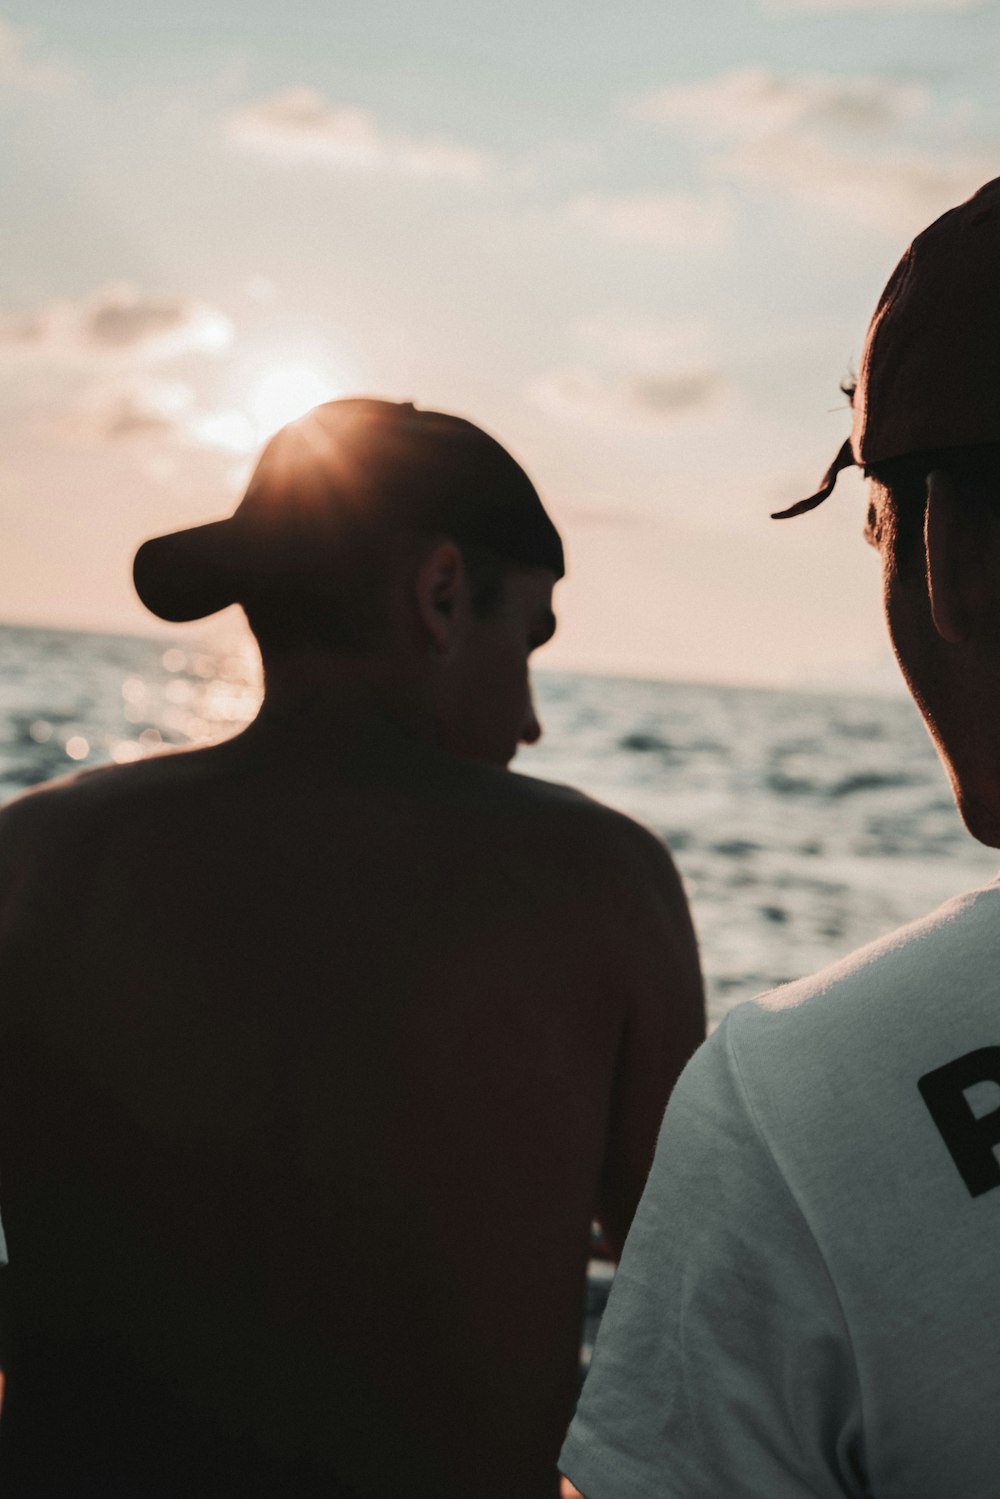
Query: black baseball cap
[{"x": 348, "y": 467}]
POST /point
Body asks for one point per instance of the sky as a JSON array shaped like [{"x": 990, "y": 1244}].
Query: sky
[{"x": 638, "y": 243}]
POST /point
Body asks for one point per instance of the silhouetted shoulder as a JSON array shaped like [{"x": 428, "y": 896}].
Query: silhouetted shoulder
[
  {"x": 102, "y": 785},
  {"x": 66, "y": 820},
  {"x": 31, "y": 821},
  {"x": 586, "y": 827},
  {"x": 591, "y": 868},
  {"x": 73, "y": 799}
]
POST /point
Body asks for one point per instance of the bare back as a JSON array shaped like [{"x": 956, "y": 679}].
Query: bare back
[{"x": 315, "y": 1070}]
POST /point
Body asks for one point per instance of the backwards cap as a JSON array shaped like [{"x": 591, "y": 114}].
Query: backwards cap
[
  {"x": 349, "y": 468},
  {"x": 930, "y": 370}
]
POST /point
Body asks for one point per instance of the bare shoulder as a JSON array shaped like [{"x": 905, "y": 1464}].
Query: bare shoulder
[
  {"x": 59, "y": 811},
  {"x": 576, "y": 811},
  {"x": 574, "y": 826},
  {"x": 104, "y": 784}
]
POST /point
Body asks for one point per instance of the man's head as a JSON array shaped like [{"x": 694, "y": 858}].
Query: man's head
[
  {"x": 371, "y": 530},
  {"x": 926, "y": 432}
]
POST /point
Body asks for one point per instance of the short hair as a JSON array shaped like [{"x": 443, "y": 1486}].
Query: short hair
[
  {"x": 897, "y": 521},
  {"x": 345, "y": 612}
]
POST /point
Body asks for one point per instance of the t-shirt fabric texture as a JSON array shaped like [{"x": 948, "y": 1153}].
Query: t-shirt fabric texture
[{"x": 808, "y": 1303}]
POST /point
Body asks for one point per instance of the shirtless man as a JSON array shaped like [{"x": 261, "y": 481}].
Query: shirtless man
[{"x": 322, "y": 1047}]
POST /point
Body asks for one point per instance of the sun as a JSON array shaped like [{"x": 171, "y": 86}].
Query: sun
[{"x": 285, "y": 392}]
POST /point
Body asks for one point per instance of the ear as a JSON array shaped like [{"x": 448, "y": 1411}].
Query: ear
[
  {"x": 440, "y": 590},
  {"x": 954, "y": 562}
]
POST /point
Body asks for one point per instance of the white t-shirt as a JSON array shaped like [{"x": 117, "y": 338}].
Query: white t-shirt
[{"x": 809, "y": 1300}]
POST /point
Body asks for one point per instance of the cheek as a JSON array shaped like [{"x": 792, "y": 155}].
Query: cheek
[
  {"x": 890, "y": 605},
  {"x": 898, "y": 608},
  {"x": 518, "y": 702},
  {"x": 511, "y": 692},
  {"x": 891, "y": 612},
  {"x": 500, "y": 693},
  {"x": 924, "y": 669}
]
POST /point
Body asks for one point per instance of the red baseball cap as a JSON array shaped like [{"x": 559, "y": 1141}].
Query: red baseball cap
[{"x": 930, "y": 370}]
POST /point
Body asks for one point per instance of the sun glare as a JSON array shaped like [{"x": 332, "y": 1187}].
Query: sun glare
[{"x": 286, "y": 392}]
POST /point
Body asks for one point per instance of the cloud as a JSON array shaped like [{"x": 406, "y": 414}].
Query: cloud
[
  {"x": 155, "y": 416},
  {"x": 826, "y": 142},
  {"x": 901, "y": 192},
  {"x": 634, "y": 371},
  {"x": 21, "y": 70},
  {"x": 757, "y": 102},
  {"x": 581, "y": 394},
  {"x": 118, "y": 322},
  {"x": 129, "y": 411},
  {"x": 142, "y": 414},
  {"x": 300, "y": 124},
  {"x": 666, "y": 395},
  {"x": 657, "y": 220}
]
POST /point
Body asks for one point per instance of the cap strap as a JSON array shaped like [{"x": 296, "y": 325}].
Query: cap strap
[{"x": 844, "y": 459}]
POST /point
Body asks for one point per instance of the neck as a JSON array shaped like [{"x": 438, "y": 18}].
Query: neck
[{"x": 344, "y": 700}]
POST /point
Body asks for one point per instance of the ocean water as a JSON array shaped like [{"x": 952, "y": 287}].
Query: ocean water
[{"x": 803, "y": 825}]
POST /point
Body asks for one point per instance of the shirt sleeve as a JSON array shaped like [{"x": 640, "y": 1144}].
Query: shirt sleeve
[{"x": 723, "y": 1365}]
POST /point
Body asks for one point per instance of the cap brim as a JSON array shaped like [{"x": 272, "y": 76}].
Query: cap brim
[{"x": 188, "y": 574}]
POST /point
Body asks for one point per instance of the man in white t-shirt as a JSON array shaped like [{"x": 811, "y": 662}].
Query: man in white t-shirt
[{"x": 808, "y": 1303}]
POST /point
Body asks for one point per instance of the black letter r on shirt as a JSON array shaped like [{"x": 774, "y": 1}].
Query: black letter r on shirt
[{"x": 969, "y": 1139}]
